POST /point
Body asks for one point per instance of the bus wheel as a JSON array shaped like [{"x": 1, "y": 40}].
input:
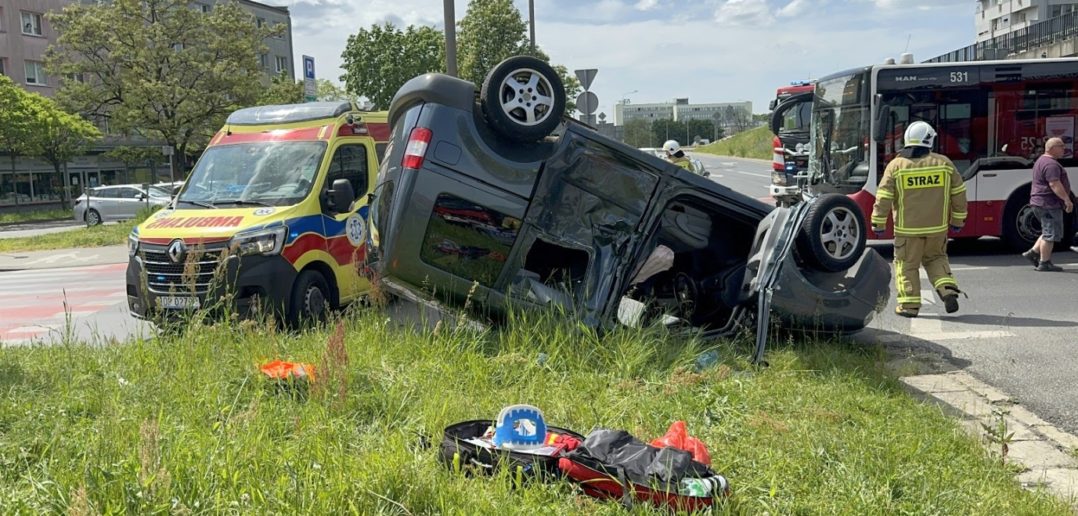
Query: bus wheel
[
  {"x": 1020, "y": 225},
  {"x": 310, "y": 299},
  {"x": 833, "y": 236}
]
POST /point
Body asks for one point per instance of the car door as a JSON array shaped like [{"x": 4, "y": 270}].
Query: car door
[
  {"x": 104, "y": 201},
  {"x": 346, "y": 229},
  {"x": 128, "y": 201}
]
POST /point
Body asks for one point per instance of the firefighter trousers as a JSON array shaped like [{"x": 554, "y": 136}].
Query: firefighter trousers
[{"x": 913, "y": 252}]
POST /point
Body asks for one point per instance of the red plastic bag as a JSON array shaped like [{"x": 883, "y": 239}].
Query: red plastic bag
[{"x": 678, "y": 437}]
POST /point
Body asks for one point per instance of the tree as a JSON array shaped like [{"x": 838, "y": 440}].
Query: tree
[
  {"x": 16, "y": 131},
  {"x": 379, "y": 60},
  {"x": 158, "y": 68},
  {"x": 282, "y": 90},
  {"x": 667, "y": 129},
  {"x": 638, "y": 133},
  {"x": 59, "y": 135},
  {"x": 492, "y": 31},
  {"x": 327, "y": 91}
]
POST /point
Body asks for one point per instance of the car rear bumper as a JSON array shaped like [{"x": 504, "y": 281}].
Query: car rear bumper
[{"x": 841, "y": 301}]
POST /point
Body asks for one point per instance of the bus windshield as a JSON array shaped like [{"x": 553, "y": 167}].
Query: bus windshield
[
  {"x": 839, "y": 131},
  {"x": 255, "y": 173}
]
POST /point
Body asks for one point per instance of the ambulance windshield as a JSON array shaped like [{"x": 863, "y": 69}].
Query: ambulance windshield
[{"x": 254, "y": 173}]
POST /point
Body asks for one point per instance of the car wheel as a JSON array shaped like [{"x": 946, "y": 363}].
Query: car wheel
[
  {"x": 310, "y": 299},
  {"x": 523, "y": 99},
  {"x": 92, "y": 217},
  {"x": 833, "y": 236}
]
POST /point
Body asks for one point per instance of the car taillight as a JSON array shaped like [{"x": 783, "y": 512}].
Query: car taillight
[{"x": 417, "y": 147}]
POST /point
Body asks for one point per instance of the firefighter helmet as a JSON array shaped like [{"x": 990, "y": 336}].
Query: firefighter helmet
[
  {"x": 671, "y": 147},
  {"x": 920, "y": 134}
]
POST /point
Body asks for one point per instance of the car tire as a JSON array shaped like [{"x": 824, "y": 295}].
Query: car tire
[
  {"x": 310, "y": 300},
  {"x": 833, "y": 236},
  {"x": 523, "y": 99},
  {"x": 92, "y": 217}
]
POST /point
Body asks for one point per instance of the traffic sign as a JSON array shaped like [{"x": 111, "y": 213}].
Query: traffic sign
[
  {"x": 586, "y": 76},
  {"x": 587, "y": 103},
  {"x": 310, "y": 90}
]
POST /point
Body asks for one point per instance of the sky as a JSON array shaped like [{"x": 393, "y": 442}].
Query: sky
[{"x": 657, "y": 50}]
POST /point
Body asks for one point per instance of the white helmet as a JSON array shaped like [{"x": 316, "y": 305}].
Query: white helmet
[
  {"x": 920, "y": 134},
  {"x": 671, "y": 147}
]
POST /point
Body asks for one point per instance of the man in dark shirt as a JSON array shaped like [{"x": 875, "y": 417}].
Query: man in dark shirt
[{"x": 1050, "y": 197}]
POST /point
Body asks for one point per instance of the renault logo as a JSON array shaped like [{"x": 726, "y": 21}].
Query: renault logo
[{"x": 177, "y": 251}]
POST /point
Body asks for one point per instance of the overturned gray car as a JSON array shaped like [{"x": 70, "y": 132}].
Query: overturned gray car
[{"x": 489, "y": 196}]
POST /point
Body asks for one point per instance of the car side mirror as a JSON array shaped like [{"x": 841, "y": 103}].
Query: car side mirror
[{"x": 341, "y": 195}]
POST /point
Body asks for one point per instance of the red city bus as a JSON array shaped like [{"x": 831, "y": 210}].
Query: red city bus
[
  {"x": 791, "y": 110},
  {"x": 992, "y": 117}
]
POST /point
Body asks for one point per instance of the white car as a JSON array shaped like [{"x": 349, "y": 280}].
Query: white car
[{"x": 119, "y": 202}]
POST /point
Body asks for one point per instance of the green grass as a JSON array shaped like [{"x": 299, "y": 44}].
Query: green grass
[
  {"x": 754, "y": 143},
  {"x": 93, "y": 236},
  {"x": 184, "y": 423},
  {"x": 34, "y": 215}
]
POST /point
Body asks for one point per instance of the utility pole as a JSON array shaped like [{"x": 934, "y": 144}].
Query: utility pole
[
  {"x": 450, "y": 38},
  {"x": 531, "y": 22}
]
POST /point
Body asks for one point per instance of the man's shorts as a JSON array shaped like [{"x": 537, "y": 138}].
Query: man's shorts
[{"x": 1051, "y": 223}]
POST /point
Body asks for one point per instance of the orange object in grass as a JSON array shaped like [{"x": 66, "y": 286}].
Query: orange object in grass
[{"x": 281, "y": 370}]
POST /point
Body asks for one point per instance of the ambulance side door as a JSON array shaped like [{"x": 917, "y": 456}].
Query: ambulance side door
[{"x": 352, "y": 160}]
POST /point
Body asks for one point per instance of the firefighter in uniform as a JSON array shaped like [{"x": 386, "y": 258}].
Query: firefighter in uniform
[
  {"x": 676, "y": 155},
  {"x": 927, "y": 196}
]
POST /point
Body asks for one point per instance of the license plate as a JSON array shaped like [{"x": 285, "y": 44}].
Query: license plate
[{"x": 177, "y": 303}]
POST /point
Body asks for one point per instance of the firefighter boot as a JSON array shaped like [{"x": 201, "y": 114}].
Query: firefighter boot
[
  {"x": 950, "y": 299},
  {"x": 909, "y": 311}
]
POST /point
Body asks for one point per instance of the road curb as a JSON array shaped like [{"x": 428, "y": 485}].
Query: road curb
[{"x": 1047, "y": 453}]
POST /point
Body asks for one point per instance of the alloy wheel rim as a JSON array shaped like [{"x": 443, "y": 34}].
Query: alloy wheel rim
[{"x": 527, "y": 97}]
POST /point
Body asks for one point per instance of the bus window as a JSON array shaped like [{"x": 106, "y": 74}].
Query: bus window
[
  {"x": 1027, "y": 115},
  {"x": 959, "y": 117}
]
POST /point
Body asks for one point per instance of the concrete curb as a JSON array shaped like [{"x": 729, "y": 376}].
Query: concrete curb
[{"x": 1047, "y": 453}]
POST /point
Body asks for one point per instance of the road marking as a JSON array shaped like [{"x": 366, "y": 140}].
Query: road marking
[{"x": 753, "y": 174}]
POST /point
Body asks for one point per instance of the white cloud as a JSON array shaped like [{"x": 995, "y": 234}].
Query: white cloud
[
  {"x": 744, "y": 12},
  {"x": 794, "y": 8},
  {"x": 646, "y": 5}
]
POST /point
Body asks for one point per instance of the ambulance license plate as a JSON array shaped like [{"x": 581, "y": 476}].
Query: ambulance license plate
[{"x": 178, "y": 303}]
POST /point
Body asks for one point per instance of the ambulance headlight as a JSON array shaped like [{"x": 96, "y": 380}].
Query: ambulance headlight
[
  {"x": 263, "y": 241},
  {"x": 132, "y": 245}
]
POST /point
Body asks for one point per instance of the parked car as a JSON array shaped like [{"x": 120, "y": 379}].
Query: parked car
[
  {"x": 119, "y": 202},
  {"x": 172, "y": 188},
  {"x": 611, "y": 233}
]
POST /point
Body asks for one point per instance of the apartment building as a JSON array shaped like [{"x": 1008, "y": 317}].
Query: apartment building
[
  {"x": 994, "y": 18},
  {"x": 25, "y": 35}
]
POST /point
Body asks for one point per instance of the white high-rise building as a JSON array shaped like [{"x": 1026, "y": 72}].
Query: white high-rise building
[{"x": 996, "y": 18}]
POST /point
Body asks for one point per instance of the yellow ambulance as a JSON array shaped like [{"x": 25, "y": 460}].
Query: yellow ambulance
[{"x": 272, "y": 215}]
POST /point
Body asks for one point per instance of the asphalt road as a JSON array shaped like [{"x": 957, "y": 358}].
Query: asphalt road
[
  {"x": 85, "y": 304},
  {"x": 1016, "y": 331}
]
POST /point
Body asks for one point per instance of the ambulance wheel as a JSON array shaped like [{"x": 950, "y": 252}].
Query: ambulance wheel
[
  {"x": 92, "y": 217},
  {"x": 523, "y": 99},
  {"x": 833, "y": 236},
  {"x": 310, "y": 299}
]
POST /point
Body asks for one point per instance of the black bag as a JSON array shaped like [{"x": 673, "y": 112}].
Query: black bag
[{"x": 460, "y": 455}]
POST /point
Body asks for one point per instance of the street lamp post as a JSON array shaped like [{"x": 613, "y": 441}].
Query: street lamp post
[
  {"x": 450, "y": 38},
  {"x": 531, "y": 22}
]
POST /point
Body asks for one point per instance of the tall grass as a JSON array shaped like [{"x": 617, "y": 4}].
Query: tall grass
[
  {"x": 34, "y": 215},
  {"x": 184, "y": 422},
  {"x": 754, "y": 143}
]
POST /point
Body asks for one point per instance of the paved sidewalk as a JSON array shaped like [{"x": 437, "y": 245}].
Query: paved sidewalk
[
  {"x": 62, "y": 258},
  {"x": 29, "y": 229},
  {"x": 1047, "y": 454}
]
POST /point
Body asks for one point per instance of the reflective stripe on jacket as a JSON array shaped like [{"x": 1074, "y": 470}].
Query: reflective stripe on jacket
[{"x": 926, "y": 195}]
